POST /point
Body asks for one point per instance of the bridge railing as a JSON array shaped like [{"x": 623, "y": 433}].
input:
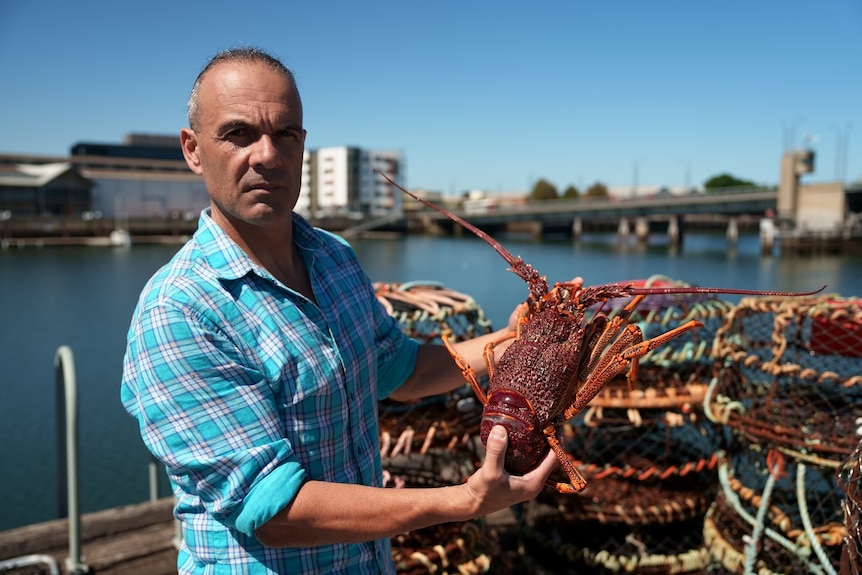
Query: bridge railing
[{"x": 747, "y": 200}]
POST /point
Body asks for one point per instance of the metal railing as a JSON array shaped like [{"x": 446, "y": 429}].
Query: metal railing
[
  {"x": 40, "y": 561},
  {"x": 67, "y": 429}
]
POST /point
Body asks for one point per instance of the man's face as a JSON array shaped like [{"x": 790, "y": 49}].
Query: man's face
[{"x": 248, "y": 144}]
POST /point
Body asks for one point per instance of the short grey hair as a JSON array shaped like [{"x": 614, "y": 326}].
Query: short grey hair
[{"x": 241, "y": 55}]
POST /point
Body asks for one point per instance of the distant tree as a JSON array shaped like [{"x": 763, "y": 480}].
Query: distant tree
[
  {"x": 725, "y": 181},
  {"x": 543, "y": 190},
  {"x": 597, "y": 190},
  {"x": 571, "y": 193}
]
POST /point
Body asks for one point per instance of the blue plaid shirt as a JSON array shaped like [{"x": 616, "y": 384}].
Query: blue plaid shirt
[{"x": 245, "y": 389}]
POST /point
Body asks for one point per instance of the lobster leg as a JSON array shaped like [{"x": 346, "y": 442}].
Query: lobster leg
[
  {"x": 625, "y": 351},
  {"x": 608, "y": 366},
  {"x": 466, "y": 370},
  {"x": 644, "y": 347},
  {"x": 488, "y": 354},
  {"x": 578, "y": 483},
  {"x": 611, "y": 329}
]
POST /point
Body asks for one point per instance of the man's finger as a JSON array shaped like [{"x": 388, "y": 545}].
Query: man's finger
[{"x": 495, "y": 449}]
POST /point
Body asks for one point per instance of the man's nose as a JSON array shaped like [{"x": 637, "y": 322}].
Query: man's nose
[{"x": 264, "y": 152}]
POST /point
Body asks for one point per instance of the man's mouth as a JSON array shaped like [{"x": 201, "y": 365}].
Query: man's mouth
[{"x": 262, "y": 186}]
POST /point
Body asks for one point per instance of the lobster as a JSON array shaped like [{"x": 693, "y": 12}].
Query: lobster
[{"x": 565, "y": 350}]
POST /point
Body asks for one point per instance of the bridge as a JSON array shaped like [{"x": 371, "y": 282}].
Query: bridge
[{"x": 659, "y": 212}]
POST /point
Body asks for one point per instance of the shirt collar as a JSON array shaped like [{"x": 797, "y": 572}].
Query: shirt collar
[{"x": 229, "y": 261}]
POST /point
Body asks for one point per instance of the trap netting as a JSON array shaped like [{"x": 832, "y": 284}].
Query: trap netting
[
  {"x": 790, "y": 394},
  {"x": 648, "y": 455},
  {"x": 692, "y": 351},
  {"x": 442, "y": 429},
  {"x": 849, "y": 478},
  {"x": 424, "y": 309}
]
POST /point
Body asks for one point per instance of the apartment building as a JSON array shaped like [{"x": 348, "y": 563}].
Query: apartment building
[{"x": 341, "y": 181}]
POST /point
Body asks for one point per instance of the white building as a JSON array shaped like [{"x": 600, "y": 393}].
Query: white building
[{"x": 341, "y": 181}]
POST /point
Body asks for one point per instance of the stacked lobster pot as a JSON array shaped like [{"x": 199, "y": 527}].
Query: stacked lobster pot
[
  {"x": 432, "y": 443},
  {"x": 648, "y": 456},
  {"x": 424, "y": 309},
  {"x": 789, "y": 395},
  {"x": 435, "y": 441},
  {"x": 849, "y": 478}
]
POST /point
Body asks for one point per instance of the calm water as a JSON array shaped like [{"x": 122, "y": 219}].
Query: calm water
[{"x": 83, "y": 297}]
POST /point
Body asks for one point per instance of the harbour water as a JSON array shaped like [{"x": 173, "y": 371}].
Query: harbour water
[{"x": 83, "y": 297}]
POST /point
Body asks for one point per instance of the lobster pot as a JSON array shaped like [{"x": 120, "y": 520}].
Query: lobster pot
[
  {"x": 456, "y": 547},
  {"x": 790, "y": 394},
  {"x": 554, "y": 546},
  {"x": 449, "y": 422},
  {"x": 648, "y": 455},
  {"x": 849, "y": 478},
  {"x": 791, "y": 376},
  {"x": 650, "y": 484},
  {"x": 433, "y": 443},
  {"x": 425, "y": 309},
  {"x": 435, "y": 440},
  {"x": 774, "y": 514}
]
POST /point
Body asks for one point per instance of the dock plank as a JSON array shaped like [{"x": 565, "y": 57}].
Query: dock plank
[{"x": 132, "y": 540}]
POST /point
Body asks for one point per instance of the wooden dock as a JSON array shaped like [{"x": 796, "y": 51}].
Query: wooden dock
[{"x": 130, "y": 540}]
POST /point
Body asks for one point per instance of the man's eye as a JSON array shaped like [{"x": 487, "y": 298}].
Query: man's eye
[
  {"x": 239, "y": 136},
  {"x": 287, "y": 135}
]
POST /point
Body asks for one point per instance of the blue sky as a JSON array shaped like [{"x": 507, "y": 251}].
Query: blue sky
[{"x": 488, "y": 95}]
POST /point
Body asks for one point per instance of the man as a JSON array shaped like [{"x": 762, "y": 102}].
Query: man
[{"x": 257, "y": 355}]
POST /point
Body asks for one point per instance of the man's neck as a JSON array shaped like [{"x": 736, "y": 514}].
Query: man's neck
[{"x": 272, "y": 248}]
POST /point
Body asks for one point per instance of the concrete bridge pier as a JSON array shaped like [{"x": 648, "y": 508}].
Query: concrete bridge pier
[
  {"x": 767, "y": 236},
  {"x": 577, "y": 228},
  {"x": 430, "y": 226},
  {"x": 623, "y": 229},
  {"x": 674, "y": 234},
  {"x": 642, "y": 230},
  {"x": 732, "y": 231}
]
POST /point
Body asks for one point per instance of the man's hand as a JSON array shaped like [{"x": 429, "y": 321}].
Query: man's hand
[
  {"x": 515, "y": 316},
  {"x": 493, "y": 488}
]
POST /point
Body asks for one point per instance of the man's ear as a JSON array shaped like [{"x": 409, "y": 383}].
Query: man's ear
[{"x": 189, "y": 144}]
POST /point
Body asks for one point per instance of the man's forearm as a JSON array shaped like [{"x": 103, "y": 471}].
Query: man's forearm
[
  {"x": 326, "y": 513},
  {"x": 436, "y": 371}
]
